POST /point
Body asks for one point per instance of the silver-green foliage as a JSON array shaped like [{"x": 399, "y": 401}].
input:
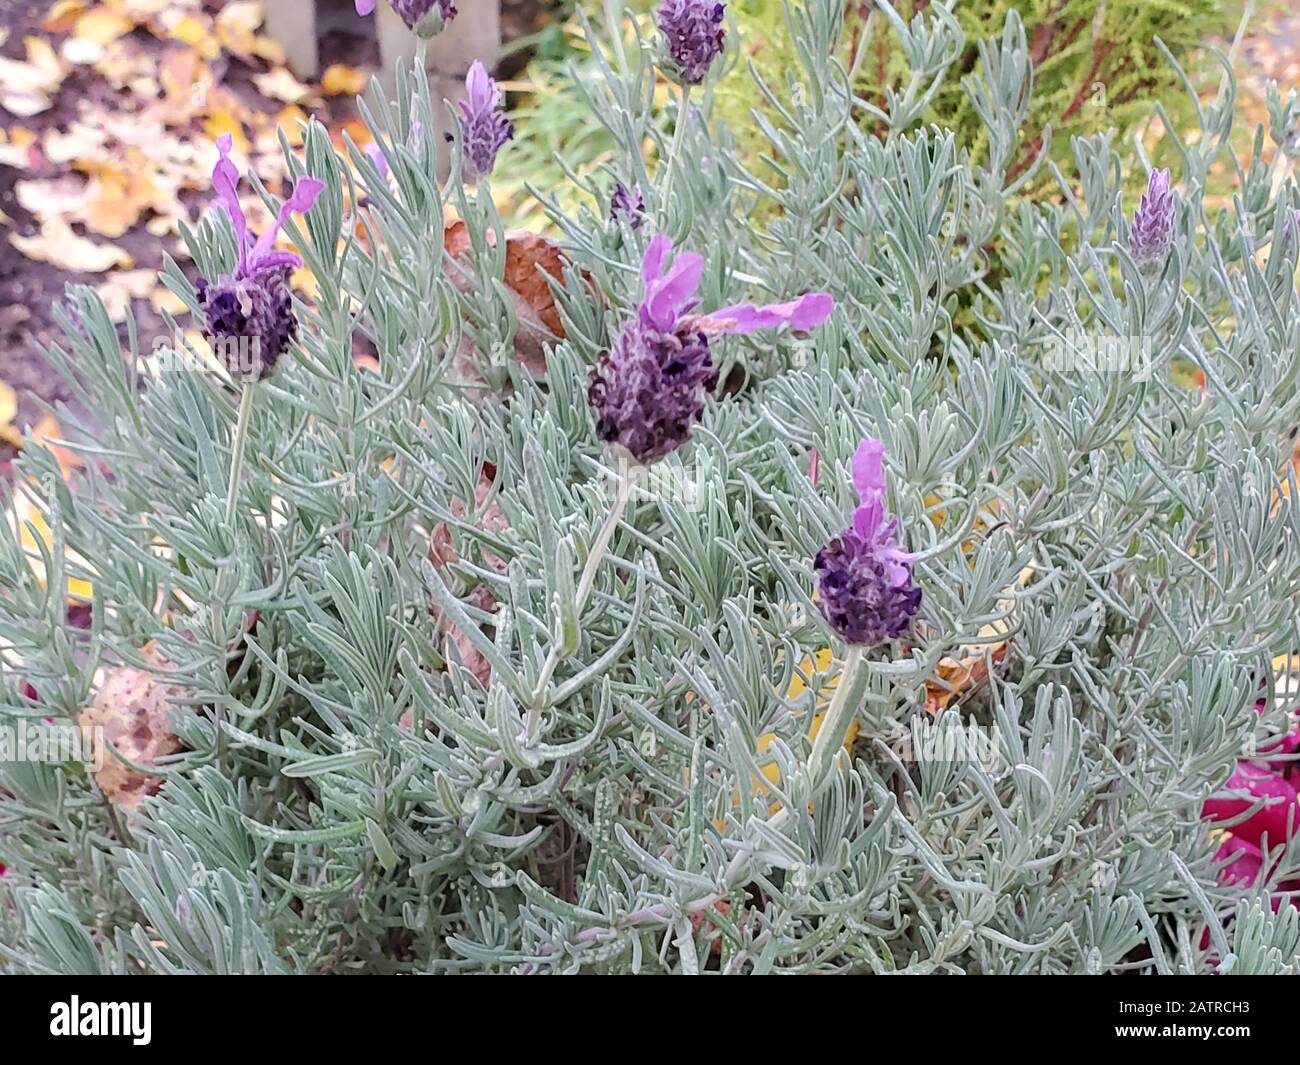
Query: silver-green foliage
[{"x": 589, "y": 818}]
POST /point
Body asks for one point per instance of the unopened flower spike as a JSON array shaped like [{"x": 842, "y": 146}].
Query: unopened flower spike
[
  {"x": 484, "y": 128},
  {"x": 1152, "y": 234},
  {"x": 425, "y": 17},
  {"x": 648, "y": 392},
  {"x": 248, "y": 314}
]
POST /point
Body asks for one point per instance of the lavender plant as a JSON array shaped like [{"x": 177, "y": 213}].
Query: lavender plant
[{"x": 454, "y": 690}]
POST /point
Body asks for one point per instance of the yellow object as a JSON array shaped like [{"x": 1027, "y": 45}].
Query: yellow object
[
  {"x": 25, "y": 516},
  {"x": 340, "y": 80},
  {"x": 819, "y": 662}
]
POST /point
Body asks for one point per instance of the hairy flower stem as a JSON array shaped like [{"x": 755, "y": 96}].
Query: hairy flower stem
[
  {"x": 598, "y": 548},
  {"x": 836, "y": 723},
  {"x": 601, "y": 544},
  {"x": 675, "y": 152},
  {"x": 237, "y": 455}
]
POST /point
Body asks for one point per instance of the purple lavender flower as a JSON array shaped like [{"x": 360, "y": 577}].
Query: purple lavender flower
[
  {"x": 864, "y": 577},
  {"x": 483, "y": 128},
  {"x": 694, "y": 33},
  {"x": 1152, "y": 234},
  {"x": 648, "y": 392},
  {"x": 413, "y": 12},
  {"x": 248, "y": 315},
  {"x": 627, "y": 205}
]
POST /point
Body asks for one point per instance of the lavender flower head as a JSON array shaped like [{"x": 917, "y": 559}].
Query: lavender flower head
[
  {"x": 864, "y": 577},
  {"x": 248, "y": 315},
  {"x": 693, "y": 33},
  {"x": 648, "y": 392},
  {"x": 627, "y": 205},
  {"x": 483, "y": 128},
  {"x": 416, "y": 13},
  {"x": 1152, "y": 234}
]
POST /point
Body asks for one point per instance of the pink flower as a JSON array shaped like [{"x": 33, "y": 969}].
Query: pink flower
[
  {"x": 1244, "y": 862},
  {"x": 365, "y": 7},
  {"x": 1265, "y": 794},
  {"x": 1277, "y": 818}
]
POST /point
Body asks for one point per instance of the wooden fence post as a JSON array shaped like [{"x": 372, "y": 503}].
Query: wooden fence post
[{"x": 475, "y": 33}]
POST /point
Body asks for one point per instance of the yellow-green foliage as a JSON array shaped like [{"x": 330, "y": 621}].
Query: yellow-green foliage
[{"x": 1097, "y": 65}]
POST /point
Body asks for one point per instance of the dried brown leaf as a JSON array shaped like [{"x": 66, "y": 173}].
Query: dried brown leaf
[{"x": 134, "y": 708}]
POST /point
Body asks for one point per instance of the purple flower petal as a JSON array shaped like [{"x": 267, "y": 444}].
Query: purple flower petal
[
  {"x": 365, "y": 7},
  {"x": 869, "y": 480},
  {"x": 652, "y": 265},
  {"x": 869, "y": 469},
  {"x": 668, "y": 294},
  {"x": 479, "y": 87},
  {"x": 275, "y": 259},
  {"x": 803, "y": 314},
  {"x": 667, "y": 297},
  {"x": 305, "y": 191},
  {"x": 225, "y": 182},
  {"x": 377, "y": 157},
  {"x": 868, "y": 517}
]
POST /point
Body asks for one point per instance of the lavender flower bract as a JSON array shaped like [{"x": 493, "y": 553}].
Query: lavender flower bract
[
  {"x": 483, "y": 128},
  {"x": 864, "y": 577},
  {"x": 1152, "y": 234},
  {"x": 248, "y": 314},
  {"x": 649, "y": 391},
  {"x": 693, "y": 33}
]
